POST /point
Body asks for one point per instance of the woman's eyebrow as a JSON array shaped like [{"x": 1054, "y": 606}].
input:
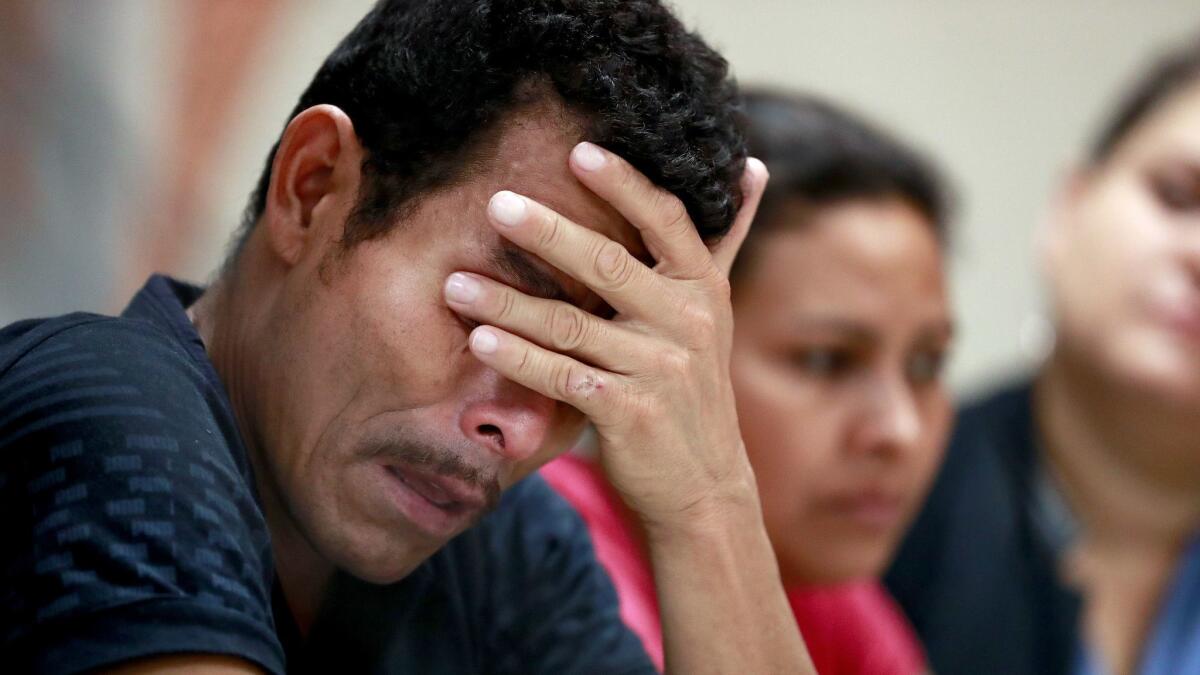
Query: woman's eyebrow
[{"x": 847, "y": 328}]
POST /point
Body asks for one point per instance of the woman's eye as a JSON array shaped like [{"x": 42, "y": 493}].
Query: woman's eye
[
  {"x": 1178, "y": 194},
  {"x": 925, "y": 367},
  {"x": 821, "y": 362}
]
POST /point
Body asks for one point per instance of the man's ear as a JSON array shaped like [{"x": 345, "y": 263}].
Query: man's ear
[{"x": 314, "y": 178}]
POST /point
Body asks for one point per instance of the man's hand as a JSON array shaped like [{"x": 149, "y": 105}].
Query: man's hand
[{"x": 654, "y": 381}]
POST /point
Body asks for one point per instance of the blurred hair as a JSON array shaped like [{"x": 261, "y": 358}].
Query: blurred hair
[
  {"x": 1173, "y": 71},
  {"x": 424, "y": 81},
  {"x": 821, "y": 155}
]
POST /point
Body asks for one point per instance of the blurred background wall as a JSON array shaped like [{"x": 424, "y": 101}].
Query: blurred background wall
[{"x": 131, "y": 131}]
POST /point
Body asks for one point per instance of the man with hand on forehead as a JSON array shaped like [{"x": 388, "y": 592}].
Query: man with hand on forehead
[{"x": 484, "y": 225}]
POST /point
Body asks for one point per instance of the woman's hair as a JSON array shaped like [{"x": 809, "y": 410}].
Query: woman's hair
[
  {"x": 1173, "y": 71},
  {"x": 820, "y": 155}
]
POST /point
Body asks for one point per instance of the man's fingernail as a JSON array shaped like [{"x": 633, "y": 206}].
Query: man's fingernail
[
  {"x": 755, "y": 165},
  {"x": 462, "y": 288},
  {"x": 588, "y": 157},
  {"x": 507, "y": 208},
  {"x": 484, "y": 341}
]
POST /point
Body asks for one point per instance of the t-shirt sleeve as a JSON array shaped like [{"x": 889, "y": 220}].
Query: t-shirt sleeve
[
  {"x": 130, "y": 530},
  {"x": 556, "y": 608}
]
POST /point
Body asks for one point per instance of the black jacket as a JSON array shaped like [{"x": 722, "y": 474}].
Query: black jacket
[{"x": 977, "y": 572}]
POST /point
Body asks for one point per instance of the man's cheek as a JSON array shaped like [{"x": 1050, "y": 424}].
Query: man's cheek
[{"x": 566, "y": 433}]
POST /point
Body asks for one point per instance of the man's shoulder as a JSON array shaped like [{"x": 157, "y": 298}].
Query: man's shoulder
[
  {"x": 132, "y": 508},
  {"x": 55, "y": 344},
  {"x": 83, "y": 373}
]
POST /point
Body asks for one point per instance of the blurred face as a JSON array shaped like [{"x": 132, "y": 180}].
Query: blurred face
[
  {"x": 385, "y": 437},
  {"x": 1123, "y": 258},
  {"x": 841, "y": 327}
]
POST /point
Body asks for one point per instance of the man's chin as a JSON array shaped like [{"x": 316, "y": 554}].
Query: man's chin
[{"x": 392, "y": 568}]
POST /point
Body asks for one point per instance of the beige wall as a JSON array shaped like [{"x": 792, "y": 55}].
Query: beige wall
[
  {"x": 1003, "y": 92},
  {"x": 1006, "y": 94}
]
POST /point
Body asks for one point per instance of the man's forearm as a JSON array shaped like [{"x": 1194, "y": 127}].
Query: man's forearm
[{"x": 720, "y": 596}]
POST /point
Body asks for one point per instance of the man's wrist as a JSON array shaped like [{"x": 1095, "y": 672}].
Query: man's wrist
[{"x": 731, "y": 507}]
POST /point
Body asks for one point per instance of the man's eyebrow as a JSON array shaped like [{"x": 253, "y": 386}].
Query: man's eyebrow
[{"x": 531, "y": 276}]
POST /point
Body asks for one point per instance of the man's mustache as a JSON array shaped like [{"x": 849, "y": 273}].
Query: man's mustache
[{"x": 441, "y": 461}]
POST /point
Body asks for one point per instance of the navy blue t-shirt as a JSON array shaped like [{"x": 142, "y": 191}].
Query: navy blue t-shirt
[{"x": 132, "y": 529}]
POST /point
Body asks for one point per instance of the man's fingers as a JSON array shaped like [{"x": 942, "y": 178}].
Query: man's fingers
[
  {"x": 557, "y": 376},
  {"x": 659, "y": 216},
  {"x": 552, "y": 324},
  {"x": 600, "y": 263},
  {"x": 754, "y": 182}
]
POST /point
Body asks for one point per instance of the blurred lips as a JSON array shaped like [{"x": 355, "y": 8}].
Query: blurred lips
[
  {"x": 1181, "y": 317},
  {"x": 1184, "y": 319},
  {"x": 872, "y": 509},
  {"x": 439, "y": 505}
]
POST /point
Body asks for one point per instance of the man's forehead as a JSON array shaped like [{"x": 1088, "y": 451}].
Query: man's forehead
[{"x": 530, "y": 157}]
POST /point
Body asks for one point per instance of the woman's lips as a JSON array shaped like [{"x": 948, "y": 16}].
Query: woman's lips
[
  {"x": 1184, "y": 319},
  {"x": 872, "y": 509}
]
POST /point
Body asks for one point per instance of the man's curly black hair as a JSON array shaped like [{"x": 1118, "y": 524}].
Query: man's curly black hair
[{"x": 424, "y": 80}]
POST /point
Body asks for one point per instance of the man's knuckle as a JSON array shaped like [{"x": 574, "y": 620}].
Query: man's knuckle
[
  {"x": 675, "y": 216},
  {"x": 507, "y": 308},
  {"x": 699, "y": 317},
  {"x": 674, "y": 363},
  {"x": 700, "y": 327},
  {"x": 721, "y": 288},
  {"x": 526, "y": 363},
  {"x": 646, "y": 411},
  {"x": 629, "y": 180},
  {"x": 551, "y": 232},
  {"x": 560, "y": 380},
  {"x": 568, "y": 328},
  {"x": 614, "y": 265}
]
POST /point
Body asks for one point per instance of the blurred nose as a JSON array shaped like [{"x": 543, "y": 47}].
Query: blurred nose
[
  {"x": 510, "y": 421},
  {"x": 1192, "y": 256},
  {"x": 892, "y": 423}
]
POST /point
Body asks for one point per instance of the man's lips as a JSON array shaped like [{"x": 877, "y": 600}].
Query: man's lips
[{"x": 445, "y": 492}]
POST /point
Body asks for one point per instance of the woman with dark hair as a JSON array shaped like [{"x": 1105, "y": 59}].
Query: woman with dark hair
[
  {"x": 1061, "y": 535},
  {"x": 841, "y": 325}
]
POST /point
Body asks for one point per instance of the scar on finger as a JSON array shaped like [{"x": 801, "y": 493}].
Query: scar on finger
[{"x": 587, "y": 385}]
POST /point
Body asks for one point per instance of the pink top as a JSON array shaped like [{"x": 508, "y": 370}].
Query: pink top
[
  {"x": 850, "y": 629},
  {"x": 618, "y": 546}
]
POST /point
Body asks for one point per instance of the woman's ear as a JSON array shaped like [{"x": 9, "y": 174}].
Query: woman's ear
[
  {"x": 1052, "y": 239},
  {"x": 315, "y": 179}
]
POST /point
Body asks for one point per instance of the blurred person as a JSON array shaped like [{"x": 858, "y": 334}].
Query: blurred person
[
  {"x": 842, "y": 324},
  {"x": 199, "y": 116},
  {"x": 60, "y": 168},
  {"x": 438, "y": 281},
  {"x": 1061, "y": 534}
]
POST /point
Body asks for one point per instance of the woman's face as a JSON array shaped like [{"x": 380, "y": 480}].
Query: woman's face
[
  {"x": 1123, "y": 258},
  {"x": 841, "y": 327}
]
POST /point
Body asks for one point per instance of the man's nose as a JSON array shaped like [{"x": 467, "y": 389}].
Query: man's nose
[{"x": 512, "y": 421}]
